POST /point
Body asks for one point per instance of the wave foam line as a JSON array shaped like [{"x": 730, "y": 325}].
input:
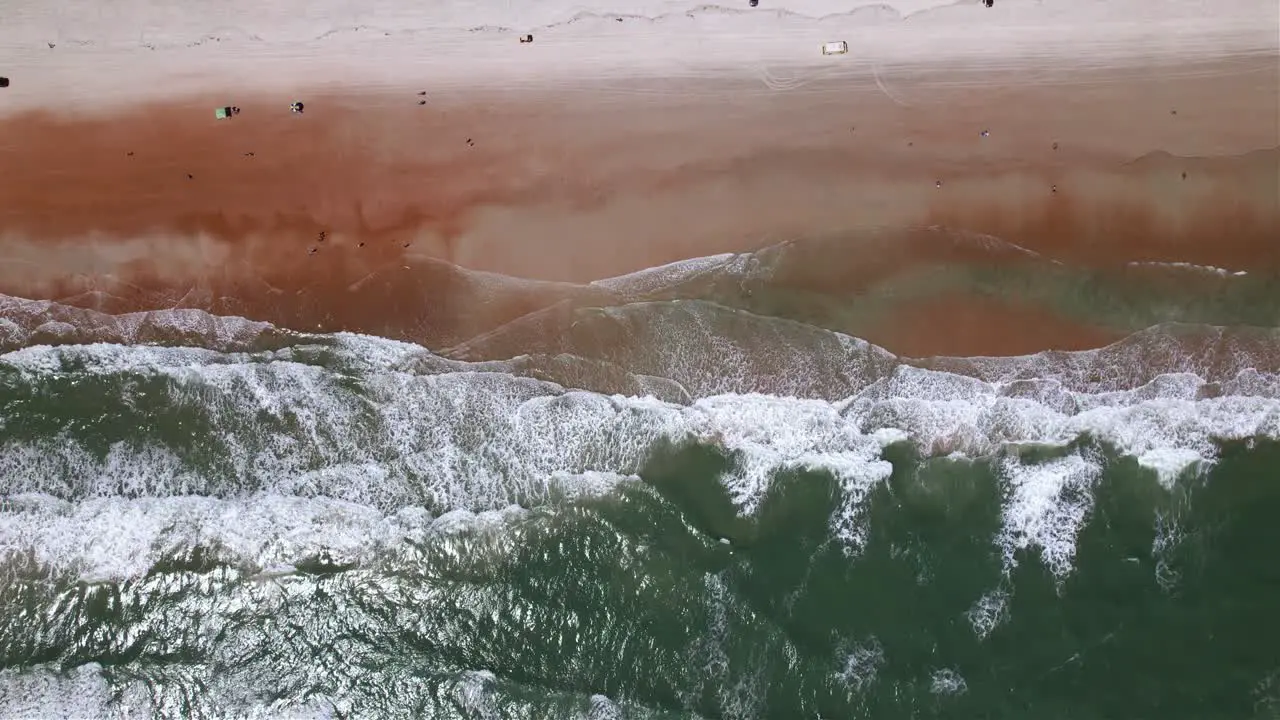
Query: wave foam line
[{"x": 475, "y": 442}]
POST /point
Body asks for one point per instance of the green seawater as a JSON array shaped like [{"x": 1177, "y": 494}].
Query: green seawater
[
  {"x": 664, "y": 600},
  {"x": 703, "y": 501}
]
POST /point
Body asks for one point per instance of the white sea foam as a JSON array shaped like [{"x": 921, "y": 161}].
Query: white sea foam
[
  {"x": 988, "y": 612},
  {"x": 861, "y": 665},
  {"x": 1198, "y": 269},
  {"x": 769, "y": 434},
  {"x": 11, "y": 334},
  {"x": 371, "y": 352},
  {"x": 654, "y": 279},
  {"x": 385, "y": 441},
  {"x": 45, "y": 691},
  {"x": 740, "y": 696},
  {"x": 1047, "y": 506},
  {"x": 1168, "y": 536},
  {"x": 48, "y": 320},
  {"x": 947, "y": 682},
  {"x": 56, "y": 329},
  {"x": 602, "y": 708},
  {"x": 105, "y": 358},
  {"x": 1169, "y": 463},
  {"x": 116, "y": 538}
]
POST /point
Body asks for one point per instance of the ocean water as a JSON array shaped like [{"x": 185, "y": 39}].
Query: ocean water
[{"x": 705, "y": 499}]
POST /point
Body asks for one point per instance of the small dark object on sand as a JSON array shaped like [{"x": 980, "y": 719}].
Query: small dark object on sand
[
  {"x": 1184, "y": 176},
  {"x": 1173, "y": 112},
  {"x": 361, "y": 244},
  {"x": 4, "y": 82},
  {"x": 526, "y": 38},
  {"x": 422, "y": 102},
  {"x": 190, "y": 176},
  {"x": 422, "y": 93},
  {"x": 753, "y": 3},
  {"x": 470, "y": 143},
  {"x": 1055, "y": 146},
  {"x": 406, "y": 244},
  {"x": 296, "y": 107},
  {"x": 130, "y": 153},
  {"x": 989, "y": 3},
  {"x": 313, "y": 251},
  {"x": 1053, "y": 188}
]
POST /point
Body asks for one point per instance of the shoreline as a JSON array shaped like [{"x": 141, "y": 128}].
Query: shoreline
[
  {"x": 576, "y": 186},
  {"x": 1155, "y": 144}
]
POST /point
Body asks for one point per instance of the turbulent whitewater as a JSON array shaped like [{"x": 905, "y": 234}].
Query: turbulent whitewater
[{"x": 675, "y": 505}]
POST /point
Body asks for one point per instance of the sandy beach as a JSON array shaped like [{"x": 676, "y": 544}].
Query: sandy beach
[
  {"x": 1097, "y": 134},
  {"x": 657, "y": 365}
]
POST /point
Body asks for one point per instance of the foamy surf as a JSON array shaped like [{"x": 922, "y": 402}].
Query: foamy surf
[
  {"x": 459, "y": 440},
  {"x": 318, "y": 482}
]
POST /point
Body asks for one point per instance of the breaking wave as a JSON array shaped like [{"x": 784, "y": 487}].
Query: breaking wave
[
  {"x": 97, "y": 430},
  {"x": 221, "y": 463}
]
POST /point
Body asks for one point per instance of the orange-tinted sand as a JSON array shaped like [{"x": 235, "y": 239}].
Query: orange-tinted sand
[{"x": 164, "y": 205}]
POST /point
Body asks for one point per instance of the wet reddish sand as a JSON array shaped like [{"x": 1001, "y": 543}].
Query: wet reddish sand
[{"x": 161, "y": 206}]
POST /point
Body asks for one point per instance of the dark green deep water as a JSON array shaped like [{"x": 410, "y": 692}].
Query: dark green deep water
[
  {"x": 634, "y": 597},
  {"x": 335, "y": 526}
]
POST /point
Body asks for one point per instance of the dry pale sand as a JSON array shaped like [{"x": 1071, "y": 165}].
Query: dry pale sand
[{"x": 161, "y": 204}]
